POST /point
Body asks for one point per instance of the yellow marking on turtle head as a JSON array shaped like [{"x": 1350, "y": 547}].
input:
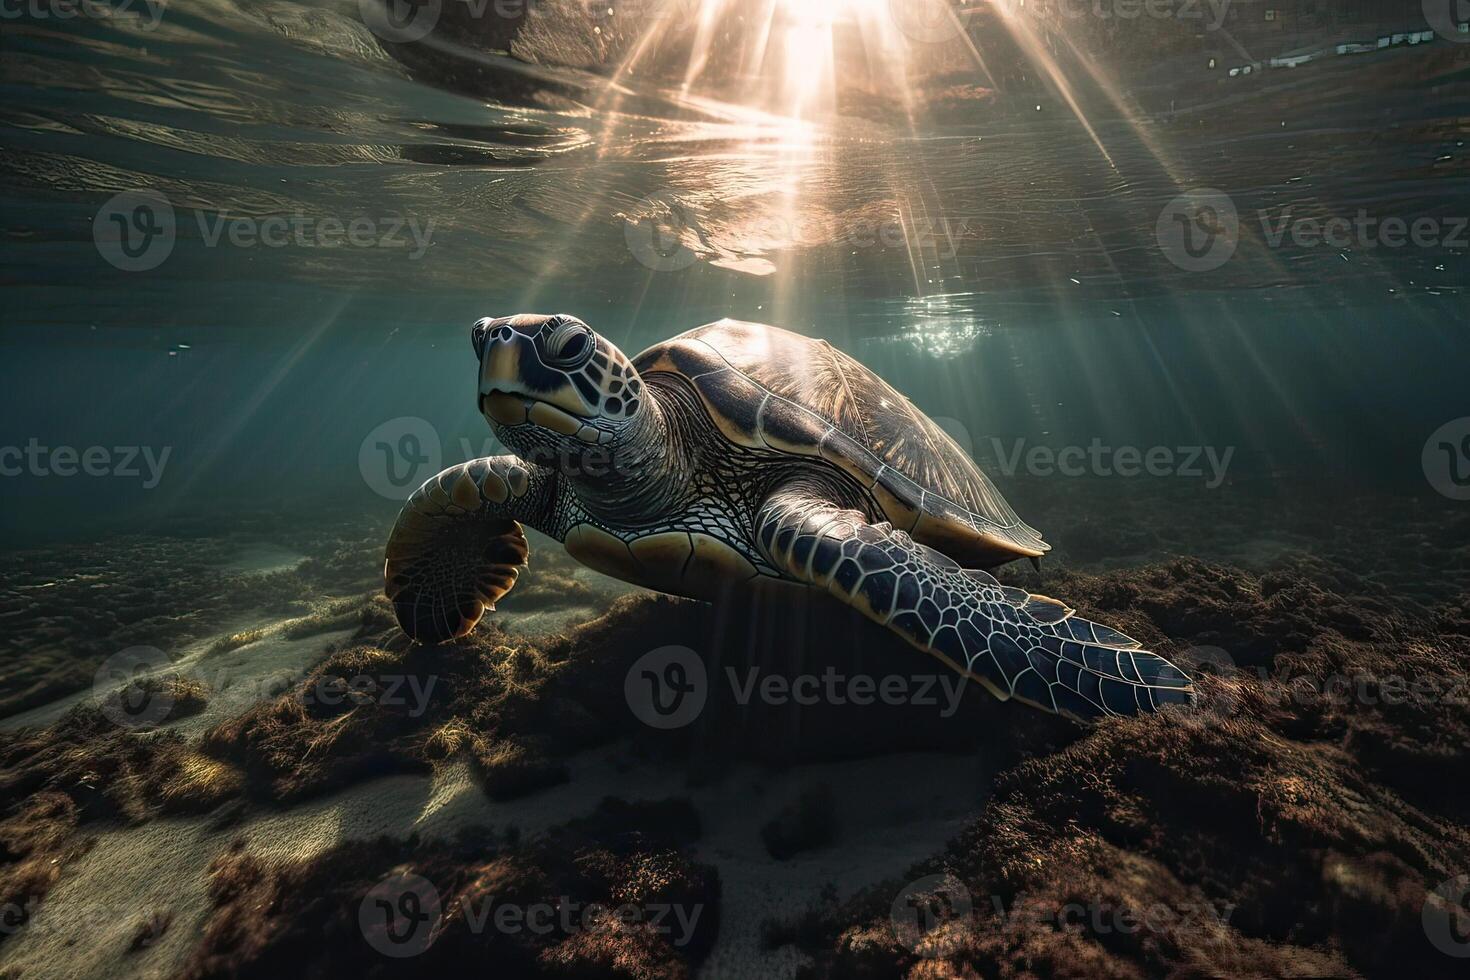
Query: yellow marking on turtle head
[
  {"x": 505, "y": 409},
  {"x": 550, "y": 417}
]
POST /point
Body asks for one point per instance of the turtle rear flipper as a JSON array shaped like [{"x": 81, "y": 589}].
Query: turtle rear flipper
[
  {"x": 1016, "y": 644},
  {"x": 458, "y": 547}
]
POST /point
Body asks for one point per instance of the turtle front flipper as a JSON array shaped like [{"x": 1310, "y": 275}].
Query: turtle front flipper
[
  {"x": 1018, "y": 645},
  {"x": 458, "y": 545}
]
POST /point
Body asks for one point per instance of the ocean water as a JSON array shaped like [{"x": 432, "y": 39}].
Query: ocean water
[
  {"x": 1187, "y": 280},
  {"x": 997, "y": 234}
]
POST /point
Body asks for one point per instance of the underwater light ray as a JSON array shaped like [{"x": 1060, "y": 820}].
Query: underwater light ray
[
  {"x": 1243, "y": 340},
  {"x": 1031, "y": 45},
  {"x": 223, "y": 438},
  {"x": 1112, "y": 91}
]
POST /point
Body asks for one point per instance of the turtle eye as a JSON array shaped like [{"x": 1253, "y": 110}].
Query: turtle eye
[{"x": 570, "y": 345}]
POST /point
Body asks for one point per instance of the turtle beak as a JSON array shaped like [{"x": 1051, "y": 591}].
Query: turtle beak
[{"x": 515, "y": 387}]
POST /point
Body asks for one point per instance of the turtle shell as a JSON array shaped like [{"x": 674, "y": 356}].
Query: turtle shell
[{"x": 768, "y": 388}]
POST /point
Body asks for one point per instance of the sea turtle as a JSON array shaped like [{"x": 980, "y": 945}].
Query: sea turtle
[{"x": 740, "y": 453}]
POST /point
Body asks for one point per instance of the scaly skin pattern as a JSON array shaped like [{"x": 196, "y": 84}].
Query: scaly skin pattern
[
  {"x": 1017, "y": 645},
  {"x": 679, "y": 475},
  {"x": 644, "y": 478}
]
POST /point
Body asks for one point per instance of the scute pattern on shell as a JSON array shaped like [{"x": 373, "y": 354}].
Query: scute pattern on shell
[{"x": 925, "y": 469}]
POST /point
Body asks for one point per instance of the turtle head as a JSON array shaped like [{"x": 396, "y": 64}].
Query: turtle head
[{"x": 550, "y": 385}]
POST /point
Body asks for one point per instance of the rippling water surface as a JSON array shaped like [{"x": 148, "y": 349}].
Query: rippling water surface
[{"x": 987, "y": 227}]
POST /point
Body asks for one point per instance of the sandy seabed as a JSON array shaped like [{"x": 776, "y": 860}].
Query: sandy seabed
[{"x": 287, "y": 787}]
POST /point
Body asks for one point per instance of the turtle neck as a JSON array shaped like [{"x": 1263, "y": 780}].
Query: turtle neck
[{"x": 647, "y": 473}]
